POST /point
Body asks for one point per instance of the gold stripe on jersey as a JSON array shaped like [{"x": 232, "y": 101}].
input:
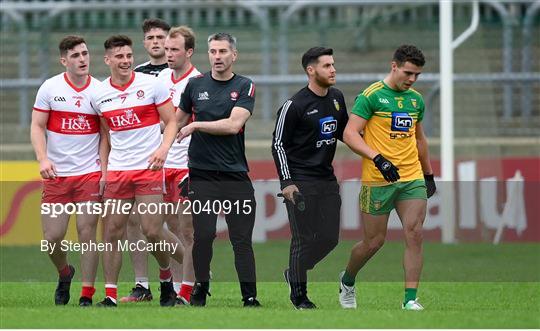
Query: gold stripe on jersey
[
  {"x": 415, "y": 91},
  {"x": 378, "y": 85},
  {"x": 374, "y": 90}
]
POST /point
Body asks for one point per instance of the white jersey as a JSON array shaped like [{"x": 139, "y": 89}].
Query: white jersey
[
  {"x": 133, "y": 118},
  {"x": 177, "y": 158},
  {"x": 72, "y": 127}
]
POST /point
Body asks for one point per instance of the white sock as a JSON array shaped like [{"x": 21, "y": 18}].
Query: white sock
[{"x": 143, "y": 281}]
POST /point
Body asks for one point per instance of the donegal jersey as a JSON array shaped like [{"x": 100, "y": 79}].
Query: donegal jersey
[
  {"x": 72, "y": 127},
  {"x": 177, "y": 157},
  {"x": 132, "y": 115},
  {"x": 392, "y": 117}
]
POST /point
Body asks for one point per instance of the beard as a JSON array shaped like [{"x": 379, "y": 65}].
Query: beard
[{"x": 323, "y": 82}]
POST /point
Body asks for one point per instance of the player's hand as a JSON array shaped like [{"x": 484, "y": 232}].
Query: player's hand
[
  {"x": 387, "y": 169},
  {"x": 47, "y": 169},
  {"x": 288, "y": 192},
  {"x": 157, "y": 160},
  {"x": 185, "y": 131},
  {"x": 102, "y": 182},
  {"x": 430, "y": 185}
]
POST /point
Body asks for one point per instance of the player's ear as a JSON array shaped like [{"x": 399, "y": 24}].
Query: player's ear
[
  {"x": 394, "y": 65},
  {"x": 235, "y": 55},
  {"x": 189, "y": 52},
  {"x": 106, "y": 59},
  {"x": 63, "y": 61}
]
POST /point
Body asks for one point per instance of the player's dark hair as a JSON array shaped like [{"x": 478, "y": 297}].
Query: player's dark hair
[
  {"x": 187, "y": 33},
  {"x": 118, "y": 40},
  {"x": 223, "y": 36},
  {"x": 409, "y": 53},
  {"x": 151, "y": 23},
  {"x": 69, "y": 42},
  {"x": 312, "y": 55}
]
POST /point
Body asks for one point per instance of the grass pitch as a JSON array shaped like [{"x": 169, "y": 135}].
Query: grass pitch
[{"x": 464, "y": 286}]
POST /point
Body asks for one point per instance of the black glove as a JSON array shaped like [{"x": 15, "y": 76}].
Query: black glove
[
  {"x": 387, "y": 169},
  {"x": 184, "y": 187},
  {"x": 430, "y": 185}
]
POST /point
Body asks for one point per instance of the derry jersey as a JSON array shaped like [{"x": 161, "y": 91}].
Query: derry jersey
[
  {"x": 72, "y": 126},
  {"x": 133, "y": 119},
  {"x": 177, "y": 158},
  {"x": 392, "y": 118}
]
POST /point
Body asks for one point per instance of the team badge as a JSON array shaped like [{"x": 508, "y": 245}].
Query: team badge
[
  {"x": 234, "y": 95},
  {"x": 377, "y": 205},
  {"x": 140, "y": 94},
  {"x": 414, "y": 104},
  {"x": 336, "y": 104}
]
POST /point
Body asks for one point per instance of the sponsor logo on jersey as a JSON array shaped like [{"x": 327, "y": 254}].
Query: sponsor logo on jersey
[
  {"x": 401, "y": 122},
  {"x": 234, "y": 95},
  {"x": 203, "y": 96},
  {"x": 336, "y": 104},
  {"x": 80, "y": 123},
  {"x": 129, "y": 118},
  {"x": 327, "y": 125},
  {"x": 384, "y": 100},
  {"x": 105, "y": 101},
  {"x": 140, "y": 94},
  {"x": 58, "y": 98},
  {"x": 314, "y": 111}
]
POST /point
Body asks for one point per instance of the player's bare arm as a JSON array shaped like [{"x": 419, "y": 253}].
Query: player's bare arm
[
  {"x": 167, "y": 115},
  {"x": 353, "y": 139},
  {"x": 104, "y": 149},
  {"x": 423, "y": 150},
  {"x": 47, "y": 169}
]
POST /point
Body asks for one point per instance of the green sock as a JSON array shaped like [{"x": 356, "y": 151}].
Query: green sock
[
  {"x": 347, "y": 279},
  {"x": 410, "y": 294}
]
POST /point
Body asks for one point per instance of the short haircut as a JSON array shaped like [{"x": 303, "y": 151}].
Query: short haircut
[
  {"x": 151, "y": 23},
  {"x": 186, "y": 32},
  {"x": 312, "y": 55},
  {"x": 409, "y": 53},
  {"x": 118, "y": 40},
  {"x": 223, "y": 36},
  {"x": 69, "y": 42}
]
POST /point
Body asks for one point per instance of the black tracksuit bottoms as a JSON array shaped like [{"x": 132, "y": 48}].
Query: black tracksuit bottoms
[
  {"x": 210, "y": 191},
  {"x": 315, "y": 230}
]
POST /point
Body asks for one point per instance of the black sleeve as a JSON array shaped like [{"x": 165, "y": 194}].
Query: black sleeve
[
  {"x": 344, "y": 118},
  {"x": 246, "y": 99},
  {"x": 185, "y": 100},
  {"x": 287, "y": 117}
]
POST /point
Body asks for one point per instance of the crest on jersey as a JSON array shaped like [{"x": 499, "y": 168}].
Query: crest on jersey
[
  {"x": 377, "y": 204},
  {"x": 234, "y": 95},
  {"x": 336, "y": 104},
  {"x": 414, "y": 104},
  {"x": 140, "y": 94},
  {"x": 81, "y": 119},
  {"x": 129, "y": 113}
]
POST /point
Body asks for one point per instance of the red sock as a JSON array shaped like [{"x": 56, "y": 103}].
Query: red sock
[
  {"x": 64, "y": 272},
  {"x": 185, "y": 291},
  {"x": 111, "y": 292},
  {"x": 165, "y": 275},
  {"x": 88, "y": 291}
]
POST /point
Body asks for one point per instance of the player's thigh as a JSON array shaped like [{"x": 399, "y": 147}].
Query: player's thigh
[
  {"x": 378, "y": 200},
  {"x": 186, "y": 221},
  {"x": 87, "y": 218},
  {"x": 116, "y": 213},
  {"x": 54, "y": 226},
  {"x": 173, "y": 223},
  {"x": 411, "y": 204},
  {"x": 150, "y": 213}
]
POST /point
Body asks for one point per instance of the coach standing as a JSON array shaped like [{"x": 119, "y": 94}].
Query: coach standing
[
  {"x": 220, "y": 102},
  {"x": 307, "y": 128}
]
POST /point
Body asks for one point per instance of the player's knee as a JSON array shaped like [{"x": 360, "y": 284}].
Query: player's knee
[
  {"x": 87, "y": 233},
  {"x": 414, "y": 236},
  {"x": 153, "y": 234},
  {"x": 53, "y": 236},
  {"x": 375, "y": 244},
  {"x": 187, "y": 237}
]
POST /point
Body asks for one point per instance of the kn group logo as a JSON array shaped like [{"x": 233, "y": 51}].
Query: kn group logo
[
  {"x": 327, "y": 125},
  {"x": 401, "y": 122}
]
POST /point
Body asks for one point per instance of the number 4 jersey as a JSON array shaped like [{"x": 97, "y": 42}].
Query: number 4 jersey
[
  {"x": 72, "y": 126},
  {"x": 392, "y": 118}
]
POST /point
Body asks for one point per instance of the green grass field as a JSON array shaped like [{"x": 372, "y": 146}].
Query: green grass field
[{"x": 465, "y": 286}]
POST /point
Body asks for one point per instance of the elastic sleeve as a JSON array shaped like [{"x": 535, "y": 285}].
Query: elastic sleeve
[
  {"x": 362, "y": 107},
  {"x": 42, "y": 102},
  {"x": 161, "y": 93}
]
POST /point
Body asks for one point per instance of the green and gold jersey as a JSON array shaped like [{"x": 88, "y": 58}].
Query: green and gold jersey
[{"x": 390, "y": 130}]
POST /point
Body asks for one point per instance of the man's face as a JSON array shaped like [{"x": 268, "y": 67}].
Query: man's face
[
  {"x": 77, "y": 60},
  {"x": 323, "y": 71},
  {"x": 176, "y": 53},
  {"x": 120, "y": 61},
  {"x": 406, "y": 75},
  {"x": 221, "y": 55},
  {"x": 154, "y": 41}
]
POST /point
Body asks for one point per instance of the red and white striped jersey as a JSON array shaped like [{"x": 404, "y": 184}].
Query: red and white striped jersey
[
  {"x": 72, "y": 127},
  {"x": 133, "y": 119},
  {"x": 177, "y": 158}
]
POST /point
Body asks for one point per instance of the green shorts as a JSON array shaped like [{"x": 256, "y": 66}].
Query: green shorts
[{"x": 379, "y": 200}]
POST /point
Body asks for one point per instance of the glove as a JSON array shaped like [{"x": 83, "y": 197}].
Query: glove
[
  {"x": 387, "y": 169},
  {"x": 430, "y": 185},
  {"x": 184, "y": 187}
]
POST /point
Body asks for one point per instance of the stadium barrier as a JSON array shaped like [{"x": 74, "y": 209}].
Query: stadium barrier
[{"x": 485, "y": 209}]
